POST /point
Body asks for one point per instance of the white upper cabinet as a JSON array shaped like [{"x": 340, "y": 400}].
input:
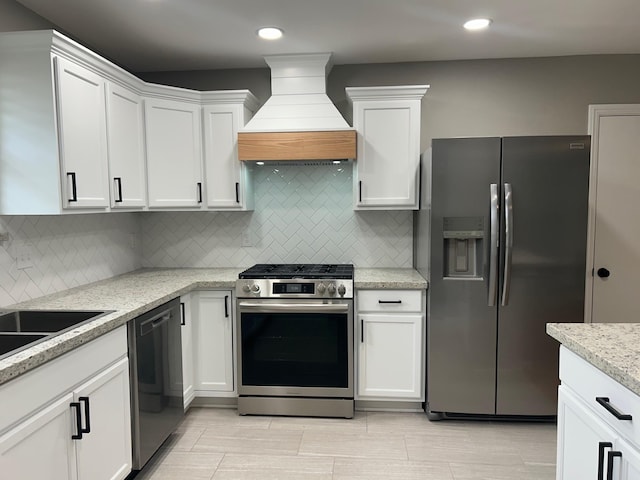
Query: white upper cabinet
[
  {"x": 228, "y": 182},
  {"x": 387, "y": 120},
  {"x": 174, "y": 153},
  {"x": 125, "y": 127},
  {"x": 82, "y": 135}
]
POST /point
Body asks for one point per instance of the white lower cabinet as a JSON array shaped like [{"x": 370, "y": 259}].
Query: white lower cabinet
[
  {"x": 187, "y": 349},
  {"x": 592, "y": 443},
  {"x": 212, "y": 315},
  {"x": 79, "y": 433},
  {"x": 389, "y": 331}
]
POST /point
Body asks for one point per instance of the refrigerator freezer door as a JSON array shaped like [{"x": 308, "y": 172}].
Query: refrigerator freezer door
[
  {"x": 549, "y": 177},
  {"x": 461, "y": 325}
]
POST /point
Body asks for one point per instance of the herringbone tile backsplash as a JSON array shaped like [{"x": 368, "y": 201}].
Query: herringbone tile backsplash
[{"x": 303, "y": 214}]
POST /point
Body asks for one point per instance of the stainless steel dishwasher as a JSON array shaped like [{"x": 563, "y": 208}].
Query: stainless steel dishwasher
[{"x": 155, "y": 362}]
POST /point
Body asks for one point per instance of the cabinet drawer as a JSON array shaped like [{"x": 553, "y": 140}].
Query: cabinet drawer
[
  {"x": 588, "y": 382},
  {"x": 389, "y": 300}
]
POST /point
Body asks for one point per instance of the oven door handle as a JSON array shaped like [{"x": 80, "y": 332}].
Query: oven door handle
[{"x": 296, "y": 307}]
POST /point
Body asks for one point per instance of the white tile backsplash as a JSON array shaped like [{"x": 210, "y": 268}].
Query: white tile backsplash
[
  {"x": 303, "y": 214},
  {"x": 66, "y": 251}
]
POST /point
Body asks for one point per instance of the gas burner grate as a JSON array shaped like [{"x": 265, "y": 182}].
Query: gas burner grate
[{"x": 301, "y": 270}]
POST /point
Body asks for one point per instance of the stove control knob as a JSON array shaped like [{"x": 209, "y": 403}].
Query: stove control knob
[
  {"x": 341, "y": 290},
  {"x": 331, "y": 289},
  {"x": 255, "y": 288},
  {"x": 321, "y": 288},
  {"x": 246, "y": 288}
]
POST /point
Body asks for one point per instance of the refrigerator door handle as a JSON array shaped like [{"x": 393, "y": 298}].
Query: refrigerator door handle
[
  {"x": 508, "y": 249},
  {"x": 493, "y": 245}
]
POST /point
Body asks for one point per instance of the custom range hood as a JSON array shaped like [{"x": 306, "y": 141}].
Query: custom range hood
[{"x": 299, "y": 121}]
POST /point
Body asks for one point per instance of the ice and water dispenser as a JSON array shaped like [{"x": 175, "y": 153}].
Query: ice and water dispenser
[{"x": 463, "y": 247}]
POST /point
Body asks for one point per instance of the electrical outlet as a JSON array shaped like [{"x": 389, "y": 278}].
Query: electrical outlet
[
  {"x": 133, "y": 241},
  {"x": 23, "y": 256},
  {"x": 247, "y": 240}
]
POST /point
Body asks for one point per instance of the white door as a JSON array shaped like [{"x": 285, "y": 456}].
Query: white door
[
  {"x": 581, "y": 438},
  {"x": 174, "y": 153},
  {"x": 41, "y": 447},
  {"x": 187, "y": 349},
  {"x": 125, "y": 135},
  {"x": 390, "y": 355},
  {"x": 629, "y": 461},
  {"x": 213, "y": 342},
  {"x": 614, "y": 248},
  {"x": 105, "y": 451},
  {"x": 225, "y": 188},
  {"x": 82, "y": 136}
]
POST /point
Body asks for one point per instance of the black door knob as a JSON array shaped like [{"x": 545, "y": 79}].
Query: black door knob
[{"x": 603, "y": 272}]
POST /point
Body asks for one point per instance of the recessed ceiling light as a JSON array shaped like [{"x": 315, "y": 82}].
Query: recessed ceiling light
[
  {"x": 477, "y": 23},
  {"x": 270, "y": 33}
]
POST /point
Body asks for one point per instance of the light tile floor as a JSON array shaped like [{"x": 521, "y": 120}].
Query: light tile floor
[{"x": 218, "y": 444}]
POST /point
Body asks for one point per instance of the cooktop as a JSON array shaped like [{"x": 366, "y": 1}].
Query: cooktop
[{"x": 299, "y": 270}]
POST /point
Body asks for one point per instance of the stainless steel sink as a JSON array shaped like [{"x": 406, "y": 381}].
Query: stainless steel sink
[{"x": 20, "y": 329}]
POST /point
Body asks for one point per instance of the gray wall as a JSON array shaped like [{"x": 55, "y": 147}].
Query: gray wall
[
  {"x": 530, "y": 96},
  {"x": 14, "y": 17}
]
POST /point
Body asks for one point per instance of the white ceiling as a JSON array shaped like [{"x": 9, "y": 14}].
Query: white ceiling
[{"x": 156, "y": 35}]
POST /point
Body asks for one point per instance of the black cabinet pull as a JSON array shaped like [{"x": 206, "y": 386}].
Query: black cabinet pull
[
  {"x": 199, "y": 192},
  {"x": 77, "y": 436},
  {"x": 87, "y": 415},
  {"x": 610, "y": 456},
  {"x": 226, "y": 306},
  {"x": 603, "y": 272},
  {"x": 361, "y": 331},
  {"x": 601, "y": 447},
  {"x": 237, "y": 192},
  {"x": 74, "y": 191},
  {"x": 389, "y": 301},
  {"x": 182, "y": 317},
  {"x": 604, "y": 401},
  {"x": 360, "y": 190},
  {"x": 118, "y": 181}
]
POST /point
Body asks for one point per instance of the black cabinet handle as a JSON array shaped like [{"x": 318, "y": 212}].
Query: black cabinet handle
[
  {"x": 361, "y": 331},
  {"x": 603, "y": 272},
  {"x": 74, "y": 191},
  {"x": 182, "y": 317},
  {"x": 77, "y": 436},
  {"x": 237, "y": 192},
  {"x": 360, "y": 190},
  {"x": 118, "y": 181},
  {"x": 199, "y": 192},
  {"x": 601, "y": 447},
  {"x": 226, "y": 306},
  {"x": 610, "y": 456},
  {"x": 87, "y": 415},
  {"x": 389, "y": 301},
  {"x": 604, "y": 401}
]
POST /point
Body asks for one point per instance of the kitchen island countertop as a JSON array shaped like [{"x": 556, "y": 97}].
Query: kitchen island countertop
[
  {"x": 134, "y": 293},
  {"x": 613, "y": 348}
]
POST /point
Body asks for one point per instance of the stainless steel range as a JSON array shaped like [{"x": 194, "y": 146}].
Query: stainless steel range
[{"x": 295, "y": 340}]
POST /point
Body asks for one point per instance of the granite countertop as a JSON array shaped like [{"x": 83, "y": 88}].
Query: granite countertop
[
  {"x": 613, "y": 348},
  {"x": 135, "y": 293}
]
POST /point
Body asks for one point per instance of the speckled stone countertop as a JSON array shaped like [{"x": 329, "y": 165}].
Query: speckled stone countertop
[
  {"x": 613, "y": 348},
  {"x": 137, "y": 292},
  {"x": 389, "y": 278}
]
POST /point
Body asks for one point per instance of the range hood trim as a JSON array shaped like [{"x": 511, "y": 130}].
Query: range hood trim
[{"x": 297, "y": 146}]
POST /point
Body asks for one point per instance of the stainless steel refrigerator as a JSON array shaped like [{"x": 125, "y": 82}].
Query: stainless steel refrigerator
[{"x": 504, "y": 229}]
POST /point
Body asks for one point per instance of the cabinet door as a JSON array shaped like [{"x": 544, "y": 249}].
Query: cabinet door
[
  {"x": 629, "y": 461},
  {"x": 174, "y": 157},
  {"x": 213, "y": 342},
  {"x": 581, "y": 437},
  {"x": 187, "y": 350},
  {"x": 388, "y": 154},
  {"x": 125, "y": 136},
  {"x": 390, "y": 356},
  {"x": 226, "y": 177},
  {"x": 82, "y": 136},
  {"x": 105, "y": 451},
  {"x": 41, "y": 447}
]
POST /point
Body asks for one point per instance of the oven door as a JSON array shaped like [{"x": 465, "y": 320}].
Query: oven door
[{"x": 294, "y": 347}]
